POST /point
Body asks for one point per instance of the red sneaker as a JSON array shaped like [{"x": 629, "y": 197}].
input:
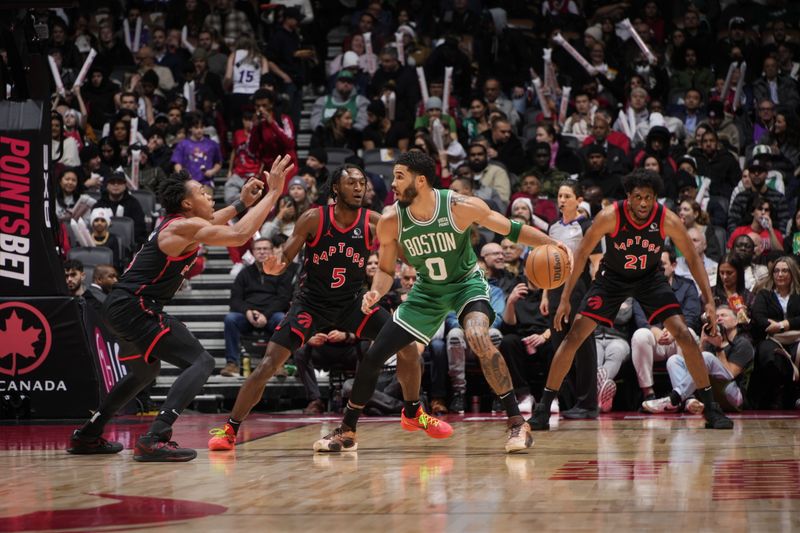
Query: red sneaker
[
  {"x": 438, "y": 429},
  {"x": 223, "y": 440}
]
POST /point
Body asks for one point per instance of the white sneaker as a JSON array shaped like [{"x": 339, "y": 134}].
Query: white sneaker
[
  {"x": 554, "y": 407},
  {"x": 694, "y": 406},
  {"x": 236, "y": 268},
  {"x": 605, "y": 396},
  {"x": 526, "y": 405},
  {"x": 659, "y": 405}
]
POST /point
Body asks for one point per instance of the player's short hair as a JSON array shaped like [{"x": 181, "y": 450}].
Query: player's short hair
[
  {"x": 642, "y": 179},
  {"x": 420, "y": 164},
  {"x": 172, "y": 191},
  {"x": 336, "y": 176}
]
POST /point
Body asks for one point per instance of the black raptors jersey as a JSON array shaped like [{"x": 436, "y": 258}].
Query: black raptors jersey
[
  {"x": 153, "y": 274},
  {"x": 634, "y": 251},
  {"x": 334, "y": 267}
]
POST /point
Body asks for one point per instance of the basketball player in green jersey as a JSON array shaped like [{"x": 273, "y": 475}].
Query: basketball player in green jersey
[{"x": 429, "y": 228}]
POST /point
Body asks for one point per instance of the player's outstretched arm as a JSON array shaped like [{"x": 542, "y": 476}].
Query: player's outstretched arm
[
  {"x": 387, "y": 258},
  {"x": 305, "y": 229},
  {"x": 203, "y": 231},
  {"x": 469, "y": 210},
  {"x": 676, "y": 231},
  {"x": 603, "y": 224},
  {"x": 250, "y": 194}
]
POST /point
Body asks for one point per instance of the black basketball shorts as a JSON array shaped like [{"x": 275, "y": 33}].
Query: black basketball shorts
[
  {"x": 607, "y": 292},
  {"x": 303, "y": 320}
]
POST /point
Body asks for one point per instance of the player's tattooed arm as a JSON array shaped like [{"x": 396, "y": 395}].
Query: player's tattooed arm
[{"x": 456, "y": 199}]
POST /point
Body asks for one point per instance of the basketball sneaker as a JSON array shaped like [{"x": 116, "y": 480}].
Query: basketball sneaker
[
  {"x": 151, "y": 448},
  {"x": 694, "y": 406},
  {"x": 519, "y": 437},
  {"x": 716, "y": 419},
  {"x": 457, "y": 403},
  {"x": 80, "y": 444},
  {"x": 660, "y": 405},
  {"x": 540, "y": 421},
  {"x": 438, "y": 429},
  {"x": 223, "y": 439},
  {"x": 338, "y": 440}
]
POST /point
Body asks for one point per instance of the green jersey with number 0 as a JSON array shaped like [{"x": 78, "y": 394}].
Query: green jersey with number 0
[{"x": 439, "y": 251}]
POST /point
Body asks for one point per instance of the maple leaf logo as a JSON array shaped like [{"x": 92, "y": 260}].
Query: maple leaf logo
[
  {"x": 25, "y": 347},
  {"x": 16, "y": 340}
]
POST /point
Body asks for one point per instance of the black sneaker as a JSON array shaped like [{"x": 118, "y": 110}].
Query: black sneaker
[
  {"x": 457, "y": 403},
  {"x": 497, "y": 405},
  {"x": 151, "y": 449},
  {"x": 716, "y": 419},
  {"x": 80, "y": 444},
  {"x": 540, "y": 421},
  {"x": 579, "y": 413}
]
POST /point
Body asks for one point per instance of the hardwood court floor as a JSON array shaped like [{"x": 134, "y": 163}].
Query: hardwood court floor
[{"x": 625, "y": 471}]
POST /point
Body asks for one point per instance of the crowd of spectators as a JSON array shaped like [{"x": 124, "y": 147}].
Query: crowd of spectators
[{"x": 509, "y": 114}]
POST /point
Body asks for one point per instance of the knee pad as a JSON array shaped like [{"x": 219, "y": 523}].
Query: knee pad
[{"x": 206, "y": 362}]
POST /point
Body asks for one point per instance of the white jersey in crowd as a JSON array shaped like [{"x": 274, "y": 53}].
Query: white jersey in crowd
[{"x": 246, "y": 73}]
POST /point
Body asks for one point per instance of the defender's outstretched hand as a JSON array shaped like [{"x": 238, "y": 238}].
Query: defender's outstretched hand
[
  {"x": 251, "y": 192},
  {"x": 276, "y": 176}
]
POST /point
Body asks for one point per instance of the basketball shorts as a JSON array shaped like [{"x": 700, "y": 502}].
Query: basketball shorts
[
  {"x": 606, "y": 294},
  {"x": 428, "y": 304},
  {"x": 303, "y": 320},
  {"x": 143, "y": 330}
]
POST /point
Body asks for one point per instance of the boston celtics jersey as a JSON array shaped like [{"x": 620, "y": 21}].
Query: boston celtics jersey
[{"x": 439, "y": 251}]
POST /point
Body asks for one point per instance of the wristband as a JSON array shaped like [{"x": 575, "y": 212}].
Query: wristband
[
  {"x": 239, "y": 206},
  {"x": 516, "y": 228}
]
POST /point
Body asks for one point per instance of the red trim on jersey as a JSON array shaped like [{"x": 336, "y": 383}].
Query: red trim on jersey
[
  {"x": 137, "y": 356},
  {"x": 661, "y": 224},
  {"x": 299, "y": 334},
  {"x": 353, "y": 225},
  {"x": 597, "y": 317},
  {"x": 319, "y": 227},
  {"x": 151, "y": 312},
  {"x": 366, "y": 318},
  {"x": 616, "y": 226},
  {"x": 649, "y": 220},
  {"x": 366, "y": 231},
  {"x": 153, "y": 344},
  {"x": 661, "y": 310}
]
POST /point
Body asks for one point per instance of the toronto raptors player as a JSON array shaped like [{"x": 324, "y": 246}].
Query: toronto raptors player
[
  {"x": 135, "y": 308},
  {"x": 635, "y": 230}
]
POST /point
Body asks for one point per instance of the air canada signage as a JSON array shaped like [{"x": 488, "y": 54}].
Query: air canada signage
[{"x": 44, "y": 356}]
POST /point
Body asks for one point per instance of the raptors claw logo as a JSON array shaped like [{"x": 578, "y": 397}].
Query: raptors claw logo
[
  {"x": 594, "y": 303},
  {"x": 304, "y": 319}
]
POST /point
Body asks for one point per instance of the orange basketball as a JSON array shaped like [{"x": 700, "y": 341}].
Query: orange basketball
[{"x": 547, "y": 266}]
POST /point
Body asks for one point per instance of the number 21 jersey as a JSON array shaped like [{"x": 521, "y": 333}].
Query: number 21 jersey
[{"x": 634, "y": 251}]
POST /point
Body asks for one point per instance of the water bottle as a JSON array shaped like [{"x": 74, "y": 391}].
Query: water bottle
[{"x": 245, "y": 365}]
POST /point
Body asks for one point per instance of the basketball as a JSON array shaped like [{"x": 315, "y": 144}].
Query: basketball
[{"x": 547, "y": 266}]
